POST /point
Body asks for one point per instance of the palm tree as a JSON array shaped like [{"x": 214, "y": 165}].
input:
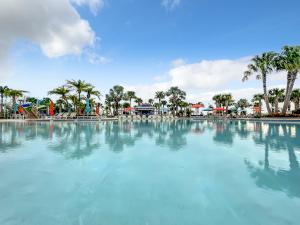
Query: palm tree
[
  {"x": 79, "y": 86},
  {"x": 14, "y": 94},
  {"x": 129, "y": 96},
  {"x": 160, "y": 95},
  {"x": 257, "y": 98},
  {"x": 164, "y": 103},
  {"x": 74, "y": 100},
  {"x": 218, "y": 100},
  {"x": 243, "y": 104},
  {"x": 228, "y": 100},
  {"x": 289, "y": 61},
  {"x": 150, "y": 101},
  {"x": 116, "y": 94},
  {"x": 63, "y": 92},
  {"x": 92, "y": 91},
  {"x": 3, "y": 91},
  {"x": 295, "y": 98},
  {"x": 138, "y": 101},
  {"x": 261, "y": 65},
  {"x": 175, "y": 96},
  {"x": 278, "y": 94}
]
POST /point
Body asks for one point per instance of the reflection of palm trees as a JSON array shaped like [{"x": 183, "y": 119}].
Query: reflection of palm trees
[
  {"x": 75, "y": 141},
  {"x": 118, "y": 135},
  {"x": 266, "y": 176},
  {"x": 223, "y": 132},
  {"x": 9, "y": 137}
]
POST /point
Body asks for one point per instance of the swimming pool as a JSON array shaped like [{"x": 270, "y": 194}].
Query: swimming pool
[{"x": 143, "y": 173}]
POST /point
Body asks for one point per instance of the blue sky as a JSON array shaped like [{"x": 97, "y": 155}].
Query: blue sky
[{"x": 145, "y": 45}]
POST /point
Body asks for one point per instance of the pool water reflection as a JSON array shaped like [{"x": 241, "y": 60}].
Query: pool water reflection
[{"x": 183, "y": 172}]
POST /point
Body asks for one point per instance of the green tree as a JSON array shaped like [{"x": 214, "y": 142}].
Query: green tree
[
  {"x": 175, "y": 96},
  {"x": 219, "y": 100},
  {"x": 295, "y": 98},
  {"x": 289, "y": 61},
  {"x": 78, "y": 86},
  {"x": 261, "y": 66},
  {"x": 116, "y": 94},
  {"x": 228, "y": 100},
  {"x": 62, "y": 92},
  {"x": 257, "y": 98},
  {"x": 278, "y": 94},
  {"x": 160, "y": 95},
  {"x": 129, "y": 96},
  {"x": 243, "y": 104},
  {"x": 14, "y": 94},
  {"x": 150, "y": 101},
  {"x": 138, "y": 101},
  {"x": 4, "y": 90}
]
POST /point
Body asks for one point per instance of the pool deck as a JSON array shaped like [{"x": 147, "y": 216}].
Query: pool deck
[{"x": 269, "y": 120}]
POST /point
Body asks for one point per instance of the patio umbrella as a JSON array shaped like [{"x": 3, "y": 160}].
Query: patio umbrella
[
  {"x": 87, "y": 106},
  {"x": 208, "y": 110},
  {"x": 51, "y": 109}
]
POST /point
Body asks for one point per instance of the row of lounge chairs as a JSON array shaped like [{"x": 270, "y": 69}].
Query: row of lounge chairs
[
  {"x": 71, "y": 116},
  {"x": 144, "y": 117}
]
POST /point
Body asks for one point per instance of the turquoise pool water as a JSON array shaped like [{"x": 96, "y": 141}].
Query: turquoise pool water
[{"x": 149, "y": 173}]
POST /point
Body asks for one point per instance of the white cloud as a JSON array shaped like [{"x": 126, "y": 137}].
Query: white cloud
[
  {"x": 54, "y": 25},
  {"x": 94, "y": 5},
  {"x": 206, "y": 78},
  {"x": 178, "y": 62},
  {"x": 170, "y": 4},
  {"x": 97, "y": 59}
]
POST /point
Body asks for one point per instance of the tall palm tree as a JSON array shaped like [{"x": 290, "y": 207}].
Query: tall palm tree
[
  {"x": 257, "y": 98},
  {"x": 3, "y": 91},
  {"x": 138, "y": 101},
  {"x": 289, "y": 61},
  {"x": 295, "y": 98},
  {"x": 79, "y": 86},
  {"x": 278, "y": 94},
  {"x": 62, "y": 92},
  {"x": 129, "y": 96},
  {"x": 175, "y": 96},
  {"x": 160, "y": 95},
  {"x": 116, "y": 94},
  {"x": 262, "y": 65}
]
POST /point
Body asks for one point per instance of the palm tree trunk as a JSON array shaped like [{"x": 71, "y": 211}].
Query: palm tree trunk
[
  {"x": 276, "y": 105},
  {"x": 291, "y": 78},
  {"x": 260, "y": 108},
  {"x": 1, "y": 107},
  {"x": 266, "y": 97},
  {"x": 78, "y": 107}
]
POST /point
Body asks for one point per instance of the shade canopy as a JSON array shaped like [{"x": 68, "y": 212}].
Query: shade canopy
[
  {"x": 128, "y": 109},
  {"x": 197, "y": 106},
  {"x": 208, "y": 109},
  {"x": 219, "y": 109}
]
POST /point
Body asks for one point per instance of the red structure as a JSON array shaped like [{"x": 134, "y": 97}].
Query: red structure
[{"x": 51, "y": 109}]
